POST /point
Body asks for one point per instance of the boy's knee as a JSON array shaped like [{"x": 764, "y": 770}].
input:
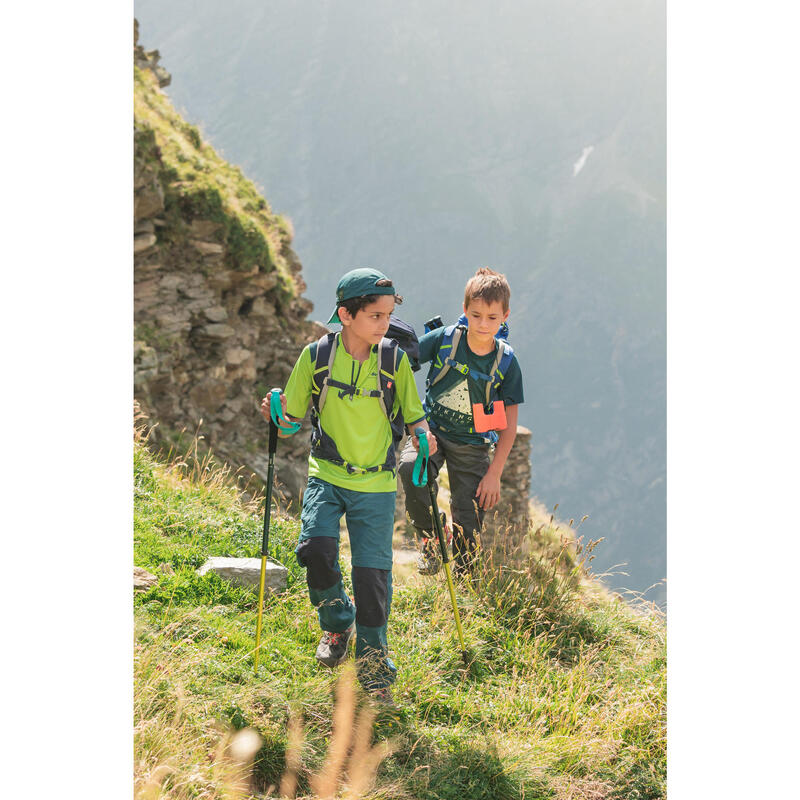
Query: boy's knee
[
  {"x": 406, "y": 470},
  {"x": 371, "y": 589},
  {"x": 320, "y": 556}
]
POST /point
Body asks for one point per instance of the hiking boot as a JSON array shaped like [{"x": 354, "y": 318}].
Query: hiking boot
[
  {"x": 382, "y": 697},
  {"x": 332, "y": 648},
  {"x": 428, "y": 560}
]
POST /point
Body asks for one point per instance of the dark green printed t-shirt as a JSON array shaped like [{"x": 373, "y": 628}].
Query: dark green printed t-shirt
[{"x": 449, "y": 402}]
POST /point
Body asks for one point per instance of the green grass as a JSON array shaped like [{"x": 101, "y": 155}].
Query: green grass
[{"x": 564, "y": 697}]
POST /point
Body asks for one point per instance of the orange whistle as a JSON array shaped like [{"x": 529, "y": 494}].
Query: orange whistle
[{"x": 495, "y": 420}]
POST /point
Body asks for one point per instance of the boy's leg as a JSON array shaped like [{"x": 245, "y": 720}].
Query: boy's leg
[
  {"x": 418, "y": 507},
  {"x": 466, "y": 466},
  {"x": 418, "y": 499},
  {"x": 318, "y": 552},
  {"x": 370, "y": 524}
]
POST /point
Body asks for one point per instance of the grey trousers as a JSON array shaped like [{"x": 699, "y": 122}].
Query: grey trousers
[{"x": 466, "y": 466}]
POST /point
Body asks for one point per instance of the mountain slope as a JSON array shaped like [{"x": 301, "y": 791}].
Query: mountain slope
[{"x": 564, "y": 698}]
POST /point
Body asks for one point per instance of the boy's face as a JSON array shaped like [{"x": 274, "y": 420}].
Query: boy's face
[
  {"x": 371, "y": 323},
  {"x": 484, "y": 319}
]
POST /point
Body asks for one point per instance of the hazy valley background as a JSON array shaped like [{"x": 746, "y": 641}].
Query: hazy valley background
[{"x": 427, "y": 139}]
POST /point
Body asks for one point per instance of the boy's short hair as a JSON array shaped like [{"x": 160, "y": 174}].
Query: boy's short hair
[
  {"x": 489, "y": 286},
  {"x": 356, "y": 304}
]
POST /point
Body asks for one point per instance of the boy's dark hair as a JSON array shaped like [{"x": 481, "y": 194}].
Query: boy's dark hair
[
  {"x": 356, "y": 304},
  {"x": 489, "y": 286}
]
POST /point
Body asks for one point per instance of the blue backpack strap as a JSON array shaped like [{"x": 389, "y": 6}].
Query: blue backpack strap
[
  {"x": 505, "y": 352},
  {"x": 444, "y": 356}
]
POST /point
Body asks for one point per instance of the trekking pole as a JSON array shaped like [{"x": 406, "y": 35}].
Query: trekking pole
[
  {"x": 275, "y": 414},
  {"x": 420, "y": 478}
]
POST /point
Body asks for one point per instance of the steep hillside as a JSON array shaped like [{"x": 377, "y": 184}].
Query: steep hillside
[
  {"x": 564, "y": 698},
  {"x": 219, "y": 316}
]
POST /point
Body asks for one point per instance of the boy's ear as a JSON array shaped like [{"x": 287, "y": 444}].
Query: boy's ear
[
  {"x": 505, "y": 316},
  {"x": 344, "y": 316}
]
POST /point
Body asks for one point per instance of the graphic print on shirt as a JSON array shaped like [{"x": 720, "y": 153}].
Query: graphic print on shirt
[{"x": 453, "y": 408}]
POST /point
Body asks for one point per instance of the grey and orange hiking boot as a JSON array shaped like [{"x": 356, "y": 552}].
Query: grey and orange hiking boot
[
  {"x": 332, "y": 649},
  {"x": 429, "y": 559}
]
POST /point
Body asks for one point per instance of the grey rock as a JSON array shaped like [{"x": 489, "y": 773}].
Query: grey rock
[
  {"x": 148, "y": 201},
  {"x": 216, "y": 314},
  {"x": 207, "y": 248},
  {"x": 143, "y": 241},
  {"x": 216, "y": 331},
  {"x": 142, "y": 579},
  {"x": 247, "y": 572}
]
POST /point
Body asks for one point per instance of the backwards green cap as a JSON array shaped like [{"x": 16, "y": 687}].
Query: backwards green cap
[{"x": 357, "y": 283}]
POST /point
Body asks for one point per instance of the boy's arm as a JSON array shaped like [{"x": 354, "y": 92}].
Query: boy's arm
[
  {"x": 488, "y": 492},
  {"x": 410, "y": 405},
  {"x": 298, "y": 392},
  {"x": 429, "y": 344}
]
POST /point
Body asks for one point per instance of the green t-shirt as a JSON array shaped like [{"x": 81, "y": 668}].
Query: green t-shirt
[
  {"x": 357, "y": 424},
  {"x": 449, "y": 402}
]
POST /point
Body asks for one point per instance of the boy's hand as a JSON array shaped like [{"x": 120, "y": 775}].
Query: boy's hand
[
  {"x": 488, "y": 492},
  {"x": 432, "y": 444},
  {"x": 265, "y": 405}
]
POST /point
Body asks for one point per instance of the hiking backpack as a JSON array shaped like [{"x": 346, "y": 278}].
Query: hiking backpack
[
  {"x": 444, "y": 361},
  {"x": 323, "y": 353}
]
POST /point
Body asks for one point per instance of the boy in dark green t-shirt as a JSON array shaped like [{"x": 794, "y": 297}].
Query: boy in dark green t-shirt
[
  {"x": 455, "y": 405},
  {"x": 352, "y": 470}
]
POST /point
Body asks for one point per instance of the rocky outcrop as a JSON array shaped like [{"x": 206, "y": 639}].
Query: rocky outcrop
[
  {"x": 510, "y": 520},
  {"x": 148, "y": 59},
  {"x": 219, "y": 316}
]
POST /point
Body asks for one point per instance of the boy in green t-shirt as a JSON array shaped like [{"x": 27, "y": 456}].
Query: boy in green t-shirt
[
  {"x": 352, "y": 470},
  {"x": 455, "y": 405}
]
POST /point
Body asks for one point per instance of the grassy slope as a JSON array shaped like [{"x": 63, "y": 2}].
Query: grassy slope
[{"x": 565, "y": 698}]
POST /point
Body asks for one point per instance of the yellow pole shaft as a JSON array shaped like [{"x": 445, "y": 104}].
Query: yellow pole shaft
[
  {"x": 260, "y": 607},
  {"x": 455, "y": 605}
]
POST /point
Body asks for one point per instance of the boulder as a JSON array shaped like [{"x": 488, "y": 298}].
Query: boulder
[
  {"x": 142, "y": 579},
  {"x": 247, "y": 572}
]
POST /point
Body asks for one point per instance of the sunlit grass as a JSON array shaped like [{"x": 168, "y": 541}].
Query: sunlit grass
[{"x": 564, "y": 695}]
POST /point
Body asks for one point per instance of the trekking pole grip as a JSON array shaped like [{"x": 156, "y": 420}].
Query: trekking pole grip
[{"x": 420, "y": 474}]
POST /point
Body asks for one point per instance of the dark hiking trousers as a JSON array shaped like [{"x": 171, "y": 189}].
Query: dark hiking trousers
[
  {"x": 466, "y": 466},
  {"x": 370, "y": 523}
]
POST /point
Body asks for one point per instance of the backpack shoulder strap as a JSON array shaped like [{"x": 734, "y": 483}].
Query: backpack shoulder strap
[
  {"x": 323, "y": 352},
  {"x": 447, "y": 349},
  {"x": 388, "y": 356},
  {"x": 505, "y": 352}
]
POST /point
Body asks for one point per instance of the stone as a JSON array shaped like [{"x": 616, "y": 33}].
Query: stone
[
  {"x": 204, "y": 228},
  {"x": 207, "y": 248},
  {"x": 216, "y": 314},
  {"x": 148, "y": 201},
  {"x": 217, "y": 331},
  {"x": 143, "y": 241},
  {"x": 237, "y": 355},
  {"x": 142, "y": 579},
  {"x": 209, "y": 395},
  {"x": 246, "y": 572}
]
